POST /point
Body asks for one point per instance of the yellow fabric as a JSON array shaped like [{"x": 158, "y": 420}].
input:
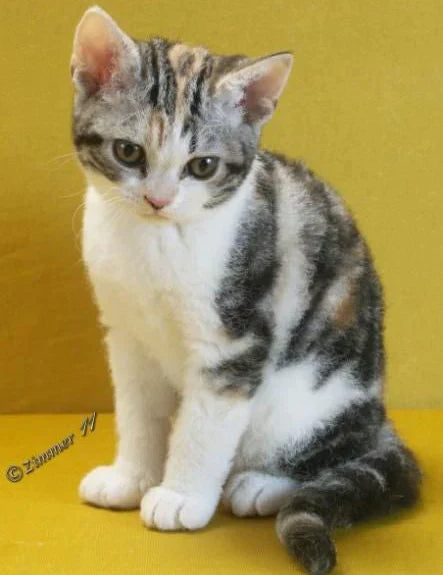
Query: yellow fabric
[
  {"x": 44, "y": 529},
  {"x": 363, "y": 107}
]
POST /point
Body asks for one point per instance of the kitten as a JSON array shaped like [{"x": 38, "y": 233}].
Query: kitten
[{"x": 242, "y": 309}]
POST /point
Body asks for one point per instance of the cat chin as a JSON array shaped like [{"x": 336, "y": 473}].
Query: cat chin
[
  {"x": 172, "y": 215},
  {"x": 159, "y": 217}
]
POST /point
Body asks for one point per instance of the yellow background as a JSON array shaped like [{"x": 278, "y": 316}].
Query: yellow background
[
  {"x": 46, "y": 531},
  {"x": 363, "y": 108}
]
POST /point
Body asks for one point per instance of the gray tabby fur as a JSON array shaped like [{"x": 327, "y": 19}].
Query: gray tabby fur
[{"x": 352, "y": 465}]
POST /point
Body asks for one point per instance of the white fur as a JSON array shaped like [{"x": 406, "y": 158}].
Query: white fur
[
  {"x": 253, "y": 493},
  {"x": 287, "y": 410},
  {"x": 202, "y": 446},
  {"x": 290, "y": 293},
  {"x": 154, "y": 280},
  {"x": 168, "y": 510},
  {"x": 144, "y": 402},
  {"x": 108, "y": 486}
]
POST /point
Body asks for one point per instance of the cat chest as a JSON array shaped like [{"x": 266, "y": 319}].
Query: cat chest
[
  {"x": 156, "y": 288},
  {"x": 149, "y": 271}
]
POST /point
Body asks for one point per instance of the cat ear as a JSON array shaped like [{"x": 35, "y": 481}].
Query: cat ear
[
  {"x": 257, "y": 86},
  {"x": 101, "y": 53}
]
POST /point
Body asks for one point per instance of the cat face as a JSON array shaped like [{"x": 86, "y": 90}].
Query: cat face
[{"x": 164, "y": 129}]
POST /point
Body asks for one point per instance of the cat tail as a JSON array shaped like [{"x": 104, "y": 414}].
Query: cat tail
[{"x": 380, "y": 481}]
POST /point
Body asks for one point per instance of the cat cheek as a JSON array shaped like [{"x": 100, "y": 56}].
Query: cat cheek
[
  {"x": 188, "y": 202},
  {"x": 201, "y": 194}
]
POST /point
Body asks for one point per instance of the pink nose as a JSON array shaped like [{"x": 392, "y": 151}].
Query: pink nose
[{"x": 157, "y": 203}]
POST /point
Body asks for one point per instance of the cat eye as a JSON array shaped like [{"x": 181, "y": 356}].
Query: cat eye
[
  {"x": 129, "y": 154},
  {"x": 202, "y": 168}
]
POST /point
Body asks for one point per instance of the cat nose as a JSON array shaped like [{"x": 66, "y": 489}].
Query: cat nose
[{"x": 157, "y": 203}]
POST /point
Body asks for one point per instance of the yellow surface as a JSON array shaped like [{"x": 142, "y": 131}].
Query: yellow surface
[
  {"x": 45, "y": 530},
  {"x": 363, "y": 107}
]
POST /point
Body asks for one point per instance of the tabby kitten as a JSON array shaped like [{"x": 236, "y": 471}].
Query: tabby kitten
[{"x": 242, "y": 309}]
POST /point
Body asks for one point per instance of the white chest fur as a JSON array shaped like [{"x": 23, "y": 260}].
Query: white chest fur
[{"x": 157, "y": 281}]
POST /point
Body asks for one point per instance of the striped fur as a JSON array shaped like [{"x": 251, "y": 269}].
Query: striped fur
[
  {"x": 250, "y": 296},
  {"x": 173, "y": 86},
  {"x": 381, "y": 480}
]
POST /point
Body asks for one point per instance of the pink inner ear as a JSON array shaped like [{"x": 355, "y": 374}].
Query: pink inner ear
[
  {"x": 99, "y": 64},
  {"x": 259, "y": 98}
]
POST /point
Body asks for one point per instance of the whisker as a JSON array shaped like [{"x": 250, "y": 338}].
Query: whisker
[
  {"x": 74, "y": 232},
  {"x": 66, "y": 196},
  {"x": 112, "y": 200},
  {"x": 62, "y": 157}
]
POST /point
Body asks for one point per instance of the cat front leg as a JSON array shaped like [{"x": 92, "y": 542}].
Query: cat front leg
[
  {"x": 203, "y": 442},
  {"x": 143, "y": 403}
]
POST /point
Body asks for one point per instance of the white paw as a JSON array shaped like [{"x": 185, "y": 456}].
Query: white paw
[
  {"x": 167, "y": 510},
  {"x": 253, "y": 493},
  {"x": 108, "y": 486}
]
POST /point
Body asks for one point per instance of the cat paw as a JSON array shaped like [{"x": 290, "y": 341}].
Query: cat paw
[
  {"x": 168, "y": 510},
  {"x": 253, "y": 493},
  {"x": 108, "y": 486}
]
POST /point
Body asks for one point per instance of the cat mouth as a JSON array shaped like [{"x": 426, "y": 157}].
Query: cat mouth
[{"x": 154, "y": 214}]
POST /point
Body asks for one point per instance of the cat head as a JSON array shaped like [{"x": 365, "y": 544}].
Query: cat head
[{"x": 168, "y": 129}]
